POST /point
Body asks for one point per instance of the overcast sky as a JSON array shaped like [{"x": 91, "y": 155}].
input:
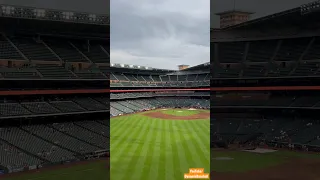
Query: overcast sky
[
  {"x": 261, "y": 7},
  {"x": 160, "y": 33}
]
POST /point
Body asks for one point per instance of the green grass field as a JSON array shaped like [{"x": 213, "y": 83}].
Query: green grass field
[
  {"x": 144, "y": 148},
  {"x": 93, "y": 170},
  {"x": 253, "y": 161}
]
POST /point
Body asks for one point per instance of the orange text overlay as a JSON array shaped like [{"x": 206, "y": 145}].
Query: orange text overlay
[{"x": 196, "y": 173}]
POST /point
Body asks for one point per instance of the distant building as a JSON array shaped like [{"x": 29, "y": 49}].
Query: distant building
[
  {"x": 182, "y": 67},
  {"x": 233, "y": 17}
]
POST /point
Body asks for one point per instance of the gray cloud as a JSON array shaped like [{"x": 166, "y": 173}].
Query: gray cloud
[
  {"x": 160, "y": 34},
  {"x": 260, "y": 7}
]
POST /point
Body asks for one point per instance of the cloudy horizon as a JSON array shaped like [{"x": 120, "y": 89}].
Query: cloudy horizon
[{"x": 157, "y": 34}]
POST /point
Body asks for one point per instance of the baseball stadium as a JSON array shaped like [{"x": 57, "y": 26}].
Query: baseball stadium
[
  {"x": 160, "y": 125},
  {"x": 265, "y": 97},
  {"x": 54, "y": 100}
]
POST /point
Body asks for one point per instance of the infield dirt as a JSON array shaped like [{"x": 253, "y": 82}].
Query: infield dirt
[{"x": 160, "y": 115}]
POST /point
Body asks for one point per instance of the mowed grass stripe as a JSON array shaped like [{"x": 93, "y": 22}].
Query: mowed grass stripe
[
  {"x": 139, "y": 150},
  {"x": 186, "y": 139},
  {"x": 122, "y": 154},
  {"x": 118, "y": 137},
  {"x": 193, "y": 145},
  {"x": 198, "y": 145},
  {"x": 169, "y": 142},
  {"x": 117, "y": 122},
  {"x": 129, "y": 140},
  {"x": 116, "y": 128},
  {"x": 175, "y": 153},
  {"x": 180, "y": 154},
  {"x": 204, "y": 125},
  {"x": 162, "y": 171},
  {"x": 143, "y": 165},
  {"x": 162, "y": 152},
  {"x": 154, "y": 165},
  {"x": 203, "y": 133},
  {"x": 148, "y": 153}
]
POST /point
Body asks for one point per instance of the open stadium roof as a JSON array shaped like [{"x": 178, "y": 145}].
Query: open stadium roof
[
  {"x": 130, "y": 66},
  {"x": 137, "y": 67}
]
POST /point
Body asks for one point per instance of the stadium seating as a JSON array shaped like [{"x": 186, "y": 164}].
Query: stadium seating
[
  {"x": 61, "y": 106},
  {"x": 268, "y": 58},
  {"x": 190, "y": 80},
  {"x": 311, "y": 102},
  {"x": 50, "y": 58},
  {"x": 125, "y": 106},
  {"x": 44, "y": 52},
  {"x": 51, "y": 143},
  {"x": 275, "y": 130}
]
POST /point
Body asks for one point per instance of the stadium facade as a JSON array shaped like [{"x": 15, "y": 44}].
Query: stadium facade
[
  {"x": 265, "y": 81},
  {"x": 136, "y": 88},
  {"x": 53, "y": 94}
]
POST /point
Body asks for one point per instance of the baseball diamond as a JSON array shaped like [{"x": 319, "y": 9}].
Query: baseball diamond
[
  {"x": 160, "y": 122},
  {"x": 159, "y": 144}
]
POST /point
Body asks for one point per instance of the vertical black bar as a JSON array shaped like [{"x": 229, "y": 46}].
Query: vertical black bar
[
  {"x": 107, "y": 73},
  {"x": 54, "y": 90},
  {"x": 251, "y": 121}
]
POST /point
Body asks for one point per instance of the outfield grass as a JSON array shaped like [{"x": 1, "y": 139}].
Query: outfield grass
[
  {"x": 242, "y": 161},
  {"x": 143, "y": 148},
  {"x": 93, "y": 170},
  {"x": 247, "y": 161}
]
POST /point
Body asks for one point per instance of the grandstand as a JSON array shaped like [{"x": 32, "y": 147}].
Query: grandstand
[
  {"x": 136, "y": 76},
  {"x": 53, "y": 94},
  {"x": 281, "y": 49},
  {"x": 270, "y": 62},
  {"x": 265, "y": 84},
  {"x": 136, "y": 89}
]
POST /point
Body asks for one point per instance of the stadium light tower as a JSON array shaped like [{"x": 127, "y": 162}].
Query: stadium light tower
[{"x": 310, "y": 7}]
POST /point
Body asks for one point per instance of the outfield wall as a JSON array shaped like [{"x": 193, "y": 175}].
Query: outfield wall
[{"x": 160, "y": 90}]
